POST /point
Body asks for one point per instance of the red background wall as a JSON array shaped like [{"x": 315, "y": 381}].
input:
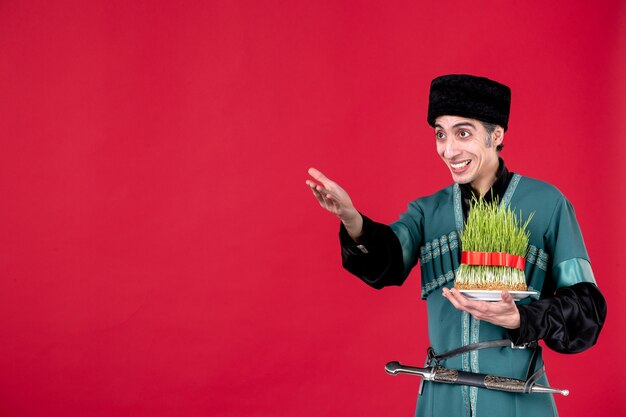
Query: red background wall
[{"x": 160, "y": 252}]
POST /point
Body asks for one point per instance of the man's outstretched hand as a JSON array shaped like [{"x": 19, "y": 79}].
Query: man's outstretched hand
[
  {"x": 337, "y": 201},
  {"x": 501, "y": 313}
]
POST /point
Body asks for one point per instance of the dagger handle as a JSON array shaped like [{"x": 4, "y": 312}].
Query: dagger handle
[{"x": 395, "y": 367}]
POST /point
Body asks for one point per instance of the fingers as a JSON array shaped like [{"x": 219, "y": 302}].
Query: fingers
[
  {"x": 332, "y": 197},
  {"x": 328, "y": 189},
  {"x": 458, "y": 300},
  {"x": 322, "y": 179},
  {"x": 455, "y": 297},
  {"x": 326, "y": 200},
  {"x": 479, "y": 309},
  {"x": 319, "y": 176},
  {"x": 507, "y": 297},
  {"x": 502, "y": 313},
  {"x": 314, "y": 188},
  {"x": 320, "y": 193}
]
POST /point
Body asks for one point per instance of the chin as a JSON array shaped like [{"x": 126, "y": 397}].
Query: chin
[{"x": 461, "y": 179}]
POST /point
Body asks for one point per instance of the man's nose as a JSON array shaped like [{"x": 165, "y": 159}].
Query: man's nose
[{"x": 451, "y": 149}]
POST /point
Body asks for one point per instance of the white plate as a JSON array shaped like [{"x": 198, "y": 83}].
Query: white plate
[{"x": 495, "y": 295}]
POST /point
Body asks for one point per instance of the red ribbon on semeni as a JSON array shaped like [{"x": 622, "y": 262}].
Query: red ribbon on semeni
[{"x": 493, "y": 259}]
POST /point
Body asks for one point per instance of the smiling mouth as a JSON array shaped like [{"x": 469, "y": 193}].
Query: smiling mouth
[{"x": 461, "y": 164}]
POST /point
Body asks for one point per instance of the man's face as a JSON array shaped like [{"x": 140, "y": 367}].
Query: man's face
[{"x": 465, "y": 147}]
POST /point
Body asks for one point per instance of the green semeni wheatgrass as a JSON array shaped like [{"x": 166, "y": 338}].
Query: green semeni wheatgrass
[{"x": 493, "y": 228}]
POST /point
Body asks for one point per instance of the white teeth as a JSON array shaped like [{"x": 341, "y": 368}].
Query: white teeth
[{"x": 461, "y": 165}]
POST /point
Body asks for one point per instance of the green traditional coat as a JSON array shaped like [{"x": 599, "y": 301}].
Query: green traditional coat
[{"x": 429, "y": 232}]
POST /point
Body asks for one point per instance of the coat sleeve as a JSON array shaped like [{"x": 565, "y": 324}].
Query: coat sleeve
[
  {"x": 377, "y": 258},
  {"x": 568, "y": 322},
  {"x": 571, "y": 313}
]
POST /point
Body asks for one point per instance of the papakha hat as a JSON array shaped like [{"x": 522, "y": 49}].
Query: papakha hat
[{"x": 469, "y": 96}]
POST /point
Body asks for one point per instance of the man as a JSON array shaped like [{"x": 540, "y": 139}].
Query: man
[{"x": 470, "y": 116}]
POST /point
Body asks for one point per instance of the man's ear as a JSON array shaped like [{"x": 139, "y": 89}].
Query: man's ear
[{"x": 498, "y": 136}]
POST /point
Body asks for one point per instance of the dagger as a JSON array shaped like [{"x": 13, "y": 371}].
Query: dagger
[{"x": 452, "y": 376}]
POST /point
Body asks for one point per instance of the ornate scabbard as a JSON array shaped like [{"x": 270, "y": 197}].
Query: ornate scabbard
[{"x": 452, "y": 376}]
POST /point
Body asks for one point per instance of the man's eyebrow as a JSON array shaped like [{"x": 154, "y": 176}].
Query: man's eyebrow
[
  {"x": 460, "y": 124},
  {"x": 464, "y": 124}
]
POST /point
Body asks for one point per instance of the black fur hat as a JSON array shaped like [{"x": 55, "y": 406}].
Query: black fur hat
[{"x": 469, "y": 96}]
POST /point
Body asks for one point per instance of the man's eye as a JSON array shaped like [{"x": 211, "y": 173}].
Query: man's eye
[
  {"x": 464, "y": 134},
  {"x": 439, "y": 135}
]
